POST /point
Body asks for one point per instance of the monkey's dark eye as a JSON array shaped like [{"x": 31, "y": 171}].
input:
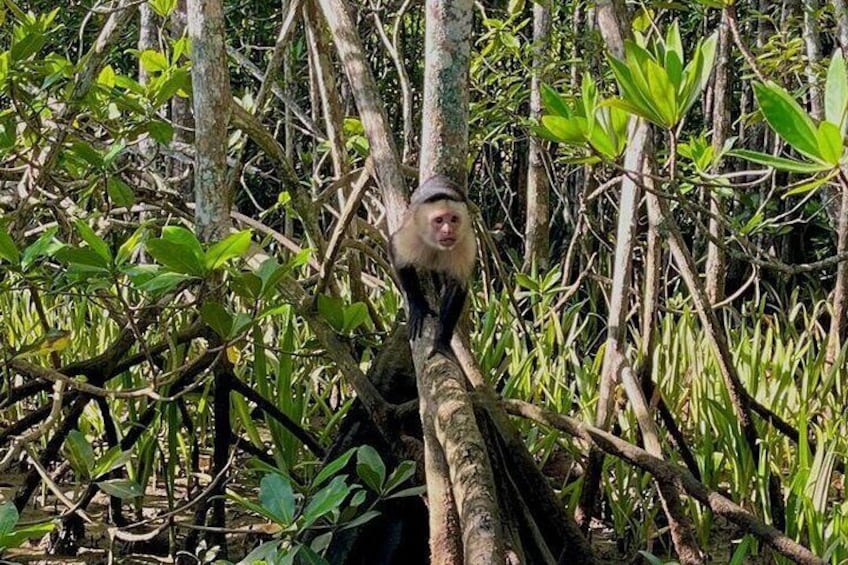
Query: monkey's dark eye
[
  {"x": 454, "y": 219},
  {"x": 439, "y": 220}
]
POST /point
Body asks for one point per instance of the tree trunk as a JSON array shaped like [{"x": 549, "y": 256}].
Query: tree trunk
[
  {"x": 211, "y": 101},
  {"x": 538, "y": 187},
  {"x": 716, "y": 268}
]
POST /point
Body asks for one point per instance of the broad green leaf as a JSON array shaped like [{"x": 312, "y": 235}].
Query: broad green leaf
[
  {"x": 564, "y": 130},
  {"x": 95, "y": 243},
  {"x": 830, "y": 143},
  {"x": 235, "y": 245},
  {"x": 162, "y": 132},
  {"x": 121, "y": 488},
  {"x": 263, "y": 554},
  {"x": 553, "y": 102},
  {"x": 326, "y": 500},
  {"x": 127, "y": 248},
  {"x": 8, "y": 249},
  {"x": 602, "y": 143},
  {"x": 333, "y": 467},
  {"x": 403, "y": 472},
  {"x": 787, "y": 118},
  {"x": 106, "y": 77},
  {"x": 673, "y": 43},
  {"x": 8, "y": 517},
  {"x": 120, "y": 192},
  {"x": 176, "y": 257},
  {"x": 663, "y": 93},
  {"x": 183, "y": 236},
  {"x": 277, "y": 496},
  {"x": 331, "y": 309},
  {"x": 163, "y": 282},
  {"x": 80, "y": 453},
  {"x": 836, "y": 91},
  {"x": 45, "y": 246},
  {"x": 590, "y": 101},
  {"x": 84, "y": 259},
  {"x": 153, "y": 61},
  {"x": 217, "y": 318},
  {"x": 113, "y": 459},
  {"x": 17, "y": 537},
  {"x": 779, "y": 163},
  {"x": 632, "y": 98},
  {"x": 163, "y": 7},
  {"x": 370, "y": 468},
  {"x": 354, "y": 316}
]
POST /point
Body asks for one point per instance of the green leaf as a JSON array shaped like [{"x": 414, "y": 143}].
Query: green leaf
[
  {"x": 235, "y": 245},
  {"x": 8, "y": 517},
  {"x": 809, "y": 185},
  {"x": 162, "y": 132},
  {"x": 663, "y": 93},
  {"x": 120, "y": 192},
  {"x": 217, "y": 318},
  {"x": 400, "y": 475},
  {"x": 163, "y": 7},
  {"x": 333, "y": 467},
  {"x": 564, "y": 130},
  {"x": 355, "y": 315},
  {"x": 177, "y": 255},
  {"x": 83, "y": 259},
  {"x": 836, "y": 91},
  {"x": 129, "y": 246},
  {"x": 45, "y": 246},
  {"x": 553, "y": 102},
  {"x": 20, "y": 535},
  {"x": 113, "y": 459},
  {"x": 787, "y": 118},
  {"x": 163, "y": 282},
  {"x": 80, "y": 453},
  {"x": 277, "y": 497},
  {"x": 830, "y": 143},
  {"x": 326, "y": 500},
  {"x": 331, "y": 309},
  {"x": 370, "y": 468},
  {"x": 632, "y": 98},
  {"x": 153, "y": 61},
  {"x": 121, "y": 488},
  {"x": 95, "y": 243},
  {"x": 780, "y": 163},
  {"x": 8, "y": 249}
]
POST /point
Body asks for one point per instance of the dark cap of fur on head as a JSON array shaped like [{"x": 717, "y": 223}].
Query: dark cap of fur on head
[{"x": 437, "y": 187}]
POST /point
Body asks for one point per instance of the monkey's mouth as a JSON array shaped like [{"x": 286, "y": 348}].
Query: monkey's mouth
[{"x": 447, "y": 242}]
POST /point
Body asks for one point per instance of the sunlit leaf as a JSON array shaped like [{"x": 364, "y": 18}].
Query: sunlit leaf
[
  {"x": 787, "y": 118},
  {"x": 779, "y": 163},
  {"x": 234, "y": 245},
  {"x": 836, "y": 91},
  {"x": 830, "y": 143}
]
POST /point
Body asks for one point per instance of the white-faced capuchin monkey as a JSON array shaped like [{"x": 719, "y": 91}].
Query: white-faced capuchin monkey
[{"x": 436, "y": 238}]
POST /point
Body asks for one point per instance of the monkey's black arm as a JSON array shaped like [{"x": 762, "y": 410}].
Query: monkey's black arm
[
  {"x": 418, "y": 307},
  {"x": 452, "y": 302}
]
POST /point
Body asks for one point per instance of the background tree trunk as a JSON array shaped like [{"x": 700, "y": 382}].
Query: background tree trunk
[{"x": 536, "y": 231}]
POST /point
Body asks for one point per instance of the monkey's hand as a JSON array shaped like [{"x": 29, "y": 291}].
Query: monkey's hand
[{"x": 417, "y": 314}]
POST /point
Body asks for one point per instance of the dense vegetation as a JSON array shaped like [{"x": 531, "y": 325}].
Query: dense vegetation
[{"x": 663, "y": 229}]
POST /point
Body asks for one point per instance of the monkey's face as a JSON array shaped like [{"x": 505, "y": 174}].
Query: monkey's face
[{"x": 445, "y": 225}]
